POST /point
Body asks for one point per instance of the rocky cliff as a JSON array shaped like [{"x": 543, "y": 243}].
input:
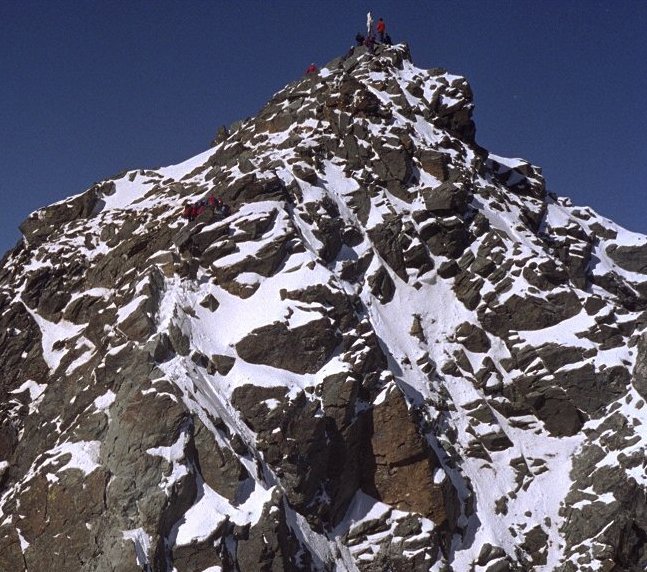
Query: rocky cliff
[{"x": 398, "y": 352}]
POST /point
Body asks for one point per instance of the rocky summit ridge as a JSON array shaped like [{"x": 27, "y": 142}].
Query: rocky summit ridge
[{"x": 398, "y": 352}]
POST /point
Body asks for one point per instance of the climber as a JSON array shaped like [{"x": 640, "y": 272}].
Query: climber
[
  {"x": 381, "y": 29},
  {"x": 311, "y": 69},
  {"x": 202, "y": 205},
  {"x": 387, "y": 40},
  {"x": 359, "y": 38},
  {"x": 189, "y": 211},
  {"x": 195, "y": 210},
  {"x": 186, "y": 213},
  {"x": 221, "y": 210},
  {"x": 369, "y": 42}
]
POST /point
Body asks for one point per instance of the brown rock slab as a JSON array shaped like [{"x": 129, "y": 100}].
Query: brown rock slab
[{"x": 401, "y": 471}]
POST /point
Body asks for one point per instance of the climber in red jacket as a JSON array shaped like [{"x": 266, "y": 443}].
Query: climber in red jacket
[
  {"x": 311, "y": 69},
  {"x": 381, "y": 29},
  {"x": 188, "y": 209}
]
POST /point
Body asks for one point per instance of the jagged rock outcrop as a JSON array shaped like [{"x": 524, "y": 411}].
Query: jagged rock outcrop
[{"x": 398, "y": 352}]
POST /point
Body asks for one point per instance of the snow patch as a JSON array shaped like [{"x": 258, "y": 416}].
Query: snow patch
[
  {"x": 174, "y": 455},
  {"x": 204, "y": 517},
  {"x": 84, "y": 455},
  {"x": 104, "y": 401},
  {"x": 51, "y": 333},
  {"x": 36, "y": 393},
  {"x": 142, "y": 542}
]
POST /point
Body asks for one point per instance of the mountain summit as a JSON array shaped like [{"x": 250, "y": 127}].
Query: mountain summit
[{"x": 397, "y": 351}]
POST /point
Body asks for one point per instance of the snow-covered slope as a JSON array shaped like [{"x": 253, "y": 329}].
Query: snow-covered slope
[{"x": 398, "y": 352}]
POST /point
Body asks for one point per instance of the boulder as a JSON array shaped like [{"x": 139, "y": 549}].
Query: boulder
[
  {"x": 305, "y": 173},
  {"x": 448, "y": 237},
  {"x": 631, "y": 258},
  {"x": 304, "y": 349},
  {"x": 472, "y": 337},
  {"x": 468, "y": 289},
  {"x": 250, "y": 188},
  {"x": 447, "y": 199},
  {"x": 529, "y": 312},
  {"x": 401, "y": 467},
  {"x": 221, "y": 364},
  {"x": 388, "y": 240},
  {"x": 382, "y": 285},
  {"x": 434, "y": 163}
]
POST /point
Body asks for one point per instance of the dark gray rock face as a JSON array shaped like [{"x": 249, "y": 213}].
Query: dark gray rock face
[
  {"x": 270, "y": 546},
  {"x": 304, "y": 349},
  {"x": 639, "y": 379},
  {"x": 446, "y": 237},
  {"x": 632, "y": 258},
  {"x": 530, "y": 313},
  {"x": 446, "y": 199},
  {"x": 388, "y": 349},
  {"x": 42, "y": 223}
]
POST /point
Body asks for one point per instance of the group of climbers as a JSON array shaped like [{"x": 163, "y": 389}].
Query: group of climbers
[
  {"x": 194, "y": 210},
  {"x": 369, "y": 40}
]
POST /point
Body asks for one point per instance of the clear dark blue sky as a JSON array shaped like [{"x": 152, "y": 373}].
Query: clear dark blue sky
[{"x": 92, "y": 87}]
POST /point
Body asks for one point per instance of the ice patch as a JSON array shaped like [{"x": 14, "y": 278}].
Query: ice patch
[
  {"x": 36, "y": 391},
  {"x": 24, "y": 545},
  {"x": 52, "y": 332},
  {"x": 173, "y": 456},
  {"x": 212, "y": 509},
  {"x": 84, "y": 455},
  {"x": 104, "y": 401},
  {"x": 142, "y": 544}
]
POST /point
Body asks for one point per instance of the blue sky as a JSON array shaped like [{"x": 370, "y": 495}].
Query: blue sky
[{"x": 89, "y": 88}]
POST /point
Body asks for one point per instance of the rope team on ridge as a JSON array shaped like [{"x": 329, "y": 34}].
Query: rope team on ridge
[{"x": 215, "y": 206}]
